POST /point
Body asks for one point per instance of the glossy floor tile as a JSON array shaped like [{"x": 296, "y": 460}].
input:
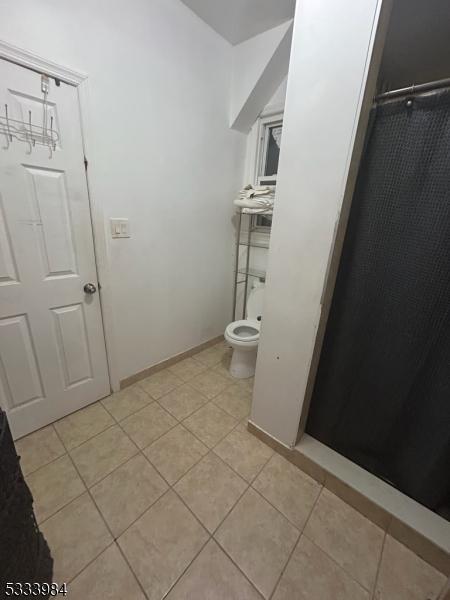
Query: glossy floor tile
[
  {"x": 148, "y": 424},
  {"x": 162, "y": 543},
  {"x": 212, "y": 576},
  {"x": 210, "y": 357},
  {"x": 125, "y": 494},
  {"x": 82, "y": 425},
  {"x": 160, "y": 491},
  {"x": 290, "y": 490},
  {"x": 76, "y": 535},
  {"x": 99, "y": 456},
  {"x": 312, "y": 575},
  {"x": 182, "y": 401},
  {"x": 210, "y": 489},
  {"x": 38, "y": 449},
  {"x": 108, "y": 577},
  {"x": 54, "y": 486},
  {"x": 209, "y": 383},
  {"x": 210, "y": 424},
  {"x": 352, "y": 540},
  {"x": 405, "y": 576},
  {"x": 236, "y": 400},
  {"x": 187, "y": 369},
  {"x": 259, "y": 539},
  {"x": 126, "y": 402},
  {"x": 175, "y": 453},
  {"x": 243, "y": 452},
  {"x": 160, "y": 383}
]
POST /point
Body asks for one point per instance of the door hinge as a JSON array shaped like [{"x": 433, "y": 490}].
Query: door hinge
[{"x": 85, "y": 163}]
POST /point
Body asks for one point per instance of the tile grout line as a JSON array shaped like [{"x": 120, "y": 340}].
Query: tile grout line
[
  {"x": 179, "y": 422},
  {"x": 50, "y": 462},
  {"x": 273, "y": 506},
  {"x": 210, "y": 450},
  {"x": 191, "y": 413},
  {"x": 107, "y": 528},
  {"x": 340, "y": 567},
  {"x": 352, "y": 577},
  {"x": 189, "y": 564},
  {"x": 88, "y": 486},
  {"x": 249, "y": 486},
  {"x": 212, "y": 535},
  {"x": 170, "y": 487},
  {"x": 68, "y": 450},
  {"x": 301, "y": 532},
  {"x": 139, "y": 451},
  {"x": 117, "y": 421},
  {"x": 372, "y": 596},
  {"x": 260, "y": 594},
  {"x": 250, "y": 483},
  {"x": 127, "y": 562}
]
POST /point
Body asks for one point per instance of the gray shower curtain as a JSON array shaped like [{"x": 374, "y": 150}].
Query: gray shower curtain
[{"x": 382, "y": 391}]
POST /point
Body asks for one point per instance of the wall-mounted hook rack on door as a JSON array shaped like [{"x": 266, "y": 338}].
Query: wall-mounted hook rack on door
[{"x": 26, "y": 131}]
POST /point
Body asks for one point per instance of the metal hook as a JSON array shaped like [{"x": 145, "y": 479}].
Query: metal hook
[
  {"x": 29, "y": 138},
  {"x": 25, "y": 131},
  {"x": 7, "y": 123},
  {"x": 53, "y": 142},
  {"x": 31, "y": 128},
  {"x": 5, "y": 131}
]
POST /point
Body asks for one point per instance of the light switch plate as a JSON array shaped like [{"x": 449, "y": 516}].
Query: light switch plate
[{"x": 120, "y": 228}]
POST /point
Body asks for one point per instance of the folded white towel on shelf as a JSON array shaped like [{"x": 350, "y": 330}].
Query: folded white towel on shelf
[
  {"x": 264, "y": 203},
  {"x": 250, "y": 191},
  {"x": 257, "y": 211},
  {"x": 256, "y": 199}
]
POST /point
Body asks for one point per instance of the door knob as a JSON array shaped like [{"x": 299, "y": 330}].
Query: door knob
[{"x": 89, "y": 288}]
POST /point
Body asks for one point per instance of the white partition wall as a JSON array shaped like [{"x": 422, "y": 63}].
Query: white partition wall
[{"x": 334, "y": 57}]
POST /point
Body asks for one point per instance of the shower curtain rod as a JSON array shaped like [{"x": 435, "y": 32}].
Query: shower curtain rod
[{"x": 421, "y": 87}]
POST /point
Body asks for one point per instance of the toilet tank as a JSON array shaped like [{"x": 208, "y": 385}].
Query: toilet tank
[{"x": 255, "y": 301}]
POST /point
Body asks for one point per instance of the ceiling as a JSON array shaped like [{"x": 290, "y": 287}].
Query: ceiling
[{"x": 239, "y": 20}]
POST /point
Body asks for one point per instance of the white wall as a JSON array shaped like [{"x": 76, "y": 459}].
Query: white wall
[
  {"x": 279, "y": 98},
  {"x": 331, "y": 52},
  {"x": 162, "y": 154},
  {"x": 259, "y": 66}
]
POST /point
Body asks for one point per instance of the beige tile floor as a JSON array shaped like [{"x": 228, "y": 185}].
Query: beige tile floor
[{"x": 160, "y": 491}]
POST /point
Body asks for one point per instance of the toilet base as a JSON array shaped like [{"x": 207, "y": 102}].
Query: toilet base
[{"x": 243, "y": 363}]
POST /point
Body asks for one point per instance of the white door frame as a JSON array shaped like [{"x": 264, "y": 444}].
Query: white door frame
[{"x": 80, "y": 81}]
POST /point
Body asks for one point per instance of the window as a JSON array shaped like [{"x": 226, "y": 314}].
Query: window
[{"x": 268, "y": 153}]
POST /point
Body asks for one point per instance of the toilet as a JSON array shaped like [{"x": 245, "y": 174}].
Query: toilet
[{"x": 243, "y": 336}]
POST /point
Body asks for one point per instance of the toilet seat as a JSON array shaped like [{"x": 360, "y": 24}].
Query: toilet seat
[
  {"x": 243, "y": 335},
  {"x": 244, "y": 331}
]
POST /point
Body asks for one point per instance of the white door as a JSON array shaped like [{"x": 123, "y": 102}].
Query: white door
[{"x": 52, "y": 349}]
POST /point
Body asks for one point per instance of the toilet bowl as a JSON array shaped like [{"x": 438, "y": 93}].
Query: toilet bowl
[{"x": 243, "y": 335}]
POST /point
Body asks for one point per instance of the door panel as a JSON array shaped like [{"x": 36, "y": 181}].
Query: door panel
[
  {"x": 72, "y": 342},
  {"x": 52, "y": 350},
  {"x": 8, "y": 271},
  {"x": 21, "y": 381},
  {"x": 49, "y": 198}
]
